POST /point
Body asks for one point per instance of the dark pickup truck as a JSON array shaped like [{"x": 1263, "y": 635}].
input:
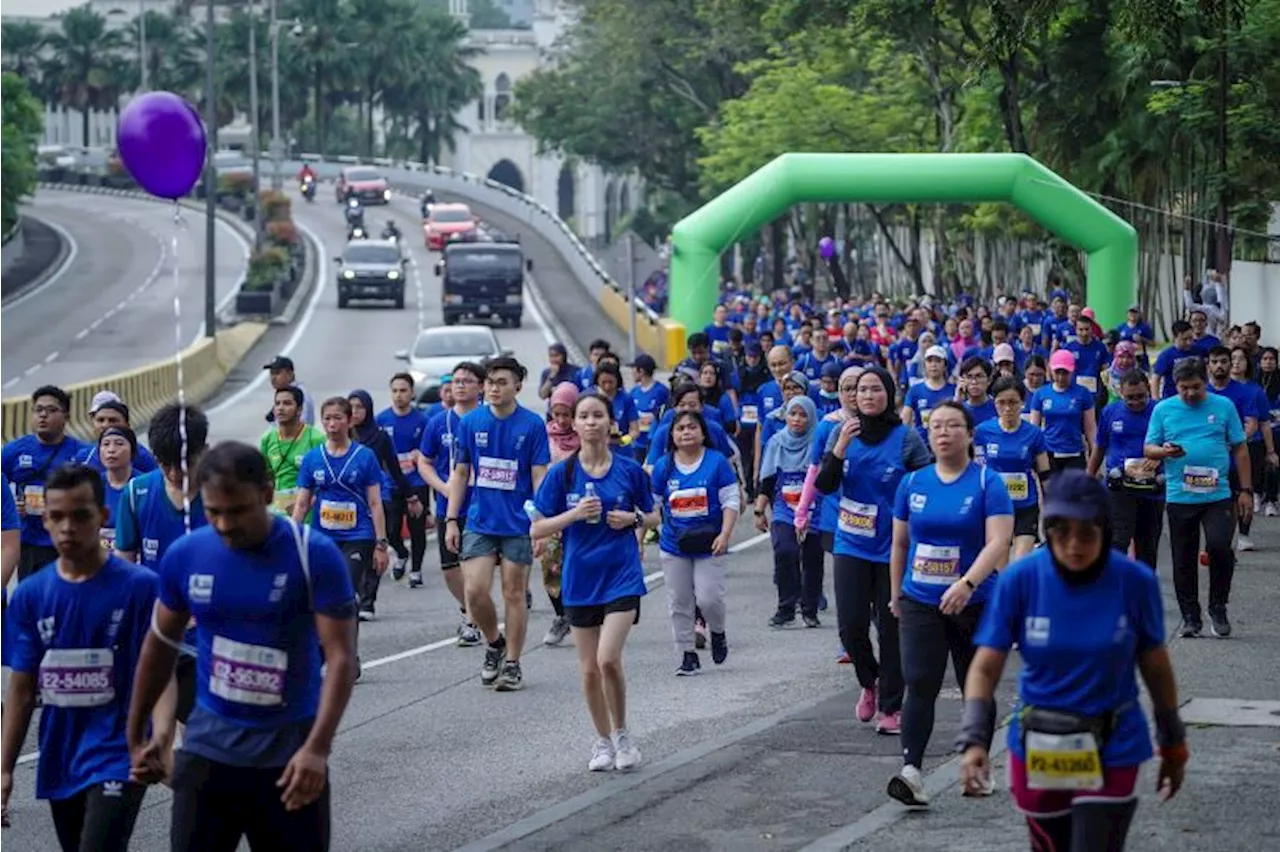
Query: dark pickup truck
[{"x": 483, "y": 280}]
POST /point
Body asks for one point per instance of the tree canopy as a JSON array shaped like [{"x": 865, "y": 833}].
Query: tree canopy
[{"x": 22, "y": 123}]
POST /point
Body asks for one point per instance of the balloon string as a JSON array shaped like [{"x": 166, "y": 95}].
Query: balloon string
[{"x": 178, "y": 225}]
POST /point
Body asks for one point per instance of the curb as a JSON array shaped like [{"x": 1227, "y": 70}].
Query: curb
[{"x": 55, "y": 267}]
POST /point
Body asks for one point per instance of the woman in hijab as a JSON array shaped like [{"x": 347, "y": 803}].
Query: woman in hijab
[
  {"x": 564, "y": 441},
  {"x": 797, "y": 557},
  {"x": 874, "y": 440},
  {"x": 365, "y": 430}
]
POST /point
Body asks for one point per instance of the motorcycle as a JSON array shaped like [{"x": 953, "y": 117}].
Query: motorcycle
[
  {"x": 307, "y": 186},
  {"x": 357, "y": 232},
  {"x": 391, "y": 234}
]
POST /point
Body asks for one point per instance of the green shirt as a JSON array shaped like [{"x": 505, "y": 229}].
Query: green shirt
[{"x": 284, "y": 457}]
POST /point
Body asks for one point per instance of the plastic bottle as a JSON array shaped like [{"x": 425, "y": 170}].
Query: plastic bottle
[
  {"x": 531, "y": 510},
  {"x": 591, "y": 492}
]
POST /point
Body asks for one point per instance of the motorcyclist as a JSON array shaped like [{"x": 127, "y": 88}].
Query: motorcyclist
[
  {"x": 306, "y": 173},
  {"x": 354, "y": 213},
  {"x": 391, "y": 232},
  {"x": 427, "y": 200}
]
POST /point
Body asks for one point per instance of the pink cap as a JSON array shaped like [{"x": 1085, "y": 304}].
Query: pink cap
[
  {"x": 1002, "y": 352},
  {"x": 1062, "y": 360},
  {"x": 1087, "y": 312}
]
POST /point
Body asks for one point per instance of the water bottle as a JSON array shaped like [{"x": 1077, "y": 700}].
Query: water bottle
[
  {"x": 591, "y": 492},
  {"x": 531, "y": 510}
]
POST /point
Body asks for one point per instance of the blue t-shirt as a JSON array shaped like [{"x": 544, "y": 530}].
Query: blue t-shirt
[
  {"x": 719, "y": 440},
  {"x": 828, "y": 514},
  {"x": 1062, "y": 417},
  {"x": 870, "y": 477},
  {"x": 601, "y": 564},
  {"x": 1131, "y": 332},
  {"x": 811, "y": 365},
  {"x": 81, "y": 641},
  {"x": 1166, "y": 361},
  {"x": 405, "y": 431},
  {"x": 1079, "y": 644},
  {"x": 1121, "y": 434},
  {"x": 1012, "y": 455},
  {"x": 440, "y": 446},
  {"x": 948, "y": 523},
  {"x": 339, "y": 487},
  {"x": 691, "y": 500},
  {"x": 923, "y": 399},
  {"x": 9, "y": 520},
  {"x": 113, "y": 495},
  {"x": 27, "y": 463},
  {"x": 143, "y": 460},
  {"x": 1242, "y": 397},
  {"x": 770, "y": 399},
  {"x": 1261, "y": 410},
  {"x": 257, "y": 652},
  {"x": 502, "y": 453},
  {"x": 147, "y": 522},
  {"x": 1207, "y": 432},
  {"x": 649, "y": 406},
  {"x": 1090, "y": 361},
  {"x": 624, "y": 411},
  {"x": 981, "y": 413}
]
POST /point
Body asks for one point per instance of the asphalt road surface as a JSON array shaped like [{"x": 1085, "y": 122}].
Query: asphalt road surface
[{"x": 111, "y": 307}]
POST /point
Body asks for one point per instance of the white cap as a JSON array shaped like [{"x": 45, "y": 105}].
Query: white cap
[
  {"x": 101, "y": 398},
  {"x": 936, "y": 352}
]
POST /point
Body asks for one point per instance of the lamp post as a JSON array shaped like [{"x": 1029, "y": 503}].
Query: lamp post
[
  {"x": 142, "y": 42},
  {"x": 254, "y": 132},
  {"x": 276, "y": 179},
  {"x": 210, "y": 183}
]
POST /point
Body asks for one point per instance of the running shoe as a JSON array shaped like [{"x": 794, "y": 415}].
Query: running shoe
[
  {"x": 367, "y": 615},
  {"x": 843, "y": 658},
  {"x": 397, "y": 568},
  {"x": 1218, "y": 624},
  {"x": 889, "y": 724},
  {"x": 558, "y": 631},
  {"x": 494, "y": 657},
  {"x": 1191, "y": 628},
  {"x": 811, "y": 621},
  {"x": 719, "y": 648},
  {"x": 469, "y": 635},
  {"x": 783, "y": 619},
  {"x": 511, "y": 679},
  {"x": 1243, "y": 543},
  {"x": 689, "y": 665},
  {"x": 1270, "y": 510},
  {"x": 908, "y": 787},
  {"x": 865, "y": 709},
  {"x": 601, "y": 755},
  {"x": 625, "y": 754},
  {"x": 415, "y": 579}
]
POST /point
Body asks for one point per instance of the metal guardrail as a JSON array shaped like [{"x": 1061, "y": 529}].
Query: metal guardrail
[{"x": 412, "y": 175}]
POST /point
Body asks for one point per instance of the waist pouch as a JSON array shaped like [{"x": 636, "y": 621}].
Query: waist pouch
[
  {"x": 697, "y": 541},
  {"x": 1041, "y": 720}
]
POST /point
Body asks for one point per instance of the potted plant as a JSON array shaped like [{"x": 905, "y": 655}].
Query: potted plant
[{"x": 261, "y": 292}]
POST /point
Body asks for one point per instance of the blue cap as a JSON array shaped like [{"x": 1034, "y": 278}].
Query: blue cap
[
  {"x": 1075, "y": 495},
  {"x": 832, "y": 370}
]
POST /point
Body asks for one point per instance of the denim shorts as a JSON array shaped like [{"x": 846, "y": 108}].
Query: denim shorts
[{"x": 513, "y": 548}]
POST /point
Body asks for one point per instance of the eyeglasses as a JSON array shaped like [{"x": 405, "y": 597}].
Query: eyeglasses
[
  {"x": 47, "y": 409},
  {"x": 945, "y": 426},
  {"x": 466, "y": 381},
  {"x": 1008, "y": 403}
]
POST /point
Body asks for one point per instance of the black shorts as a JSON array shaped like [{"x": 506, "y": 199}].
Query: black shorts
[
  {"x": 1026, "y": 521},
  {"x": 449, "y": 559},
  {"x": 100, "y": 817},
  {"x": 583, "y": 617},
  {"x": 185, "y": 673}
]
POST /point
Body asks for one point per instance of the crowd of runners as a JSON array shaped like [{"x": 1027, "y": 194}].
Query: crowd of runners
[{"x": 974, "y": 478}]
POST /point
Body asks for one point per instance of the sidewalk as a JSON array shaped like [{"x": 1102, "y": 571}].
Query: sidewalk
[{"x": 813, "y": 779}]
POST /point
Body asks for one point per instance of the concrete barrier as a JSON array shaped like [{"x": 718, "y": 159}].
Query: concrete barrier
[{"x": 205, "y": 366}]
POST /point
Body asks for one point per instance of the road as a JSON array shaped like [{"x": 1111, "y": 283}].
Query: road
[{"x": 111, "y": 308}]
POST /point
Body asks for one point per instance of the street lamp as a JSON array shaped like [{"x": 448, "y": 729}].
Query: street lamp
[{"x": 210, "y": 183}]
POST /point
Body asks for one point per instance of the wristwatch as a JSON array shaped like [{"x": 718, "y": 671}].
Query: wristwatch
[
  {"x": 382, "y": 544},
  {"x": 639, "y": 520},
  {"x": 450, "y": 520}
]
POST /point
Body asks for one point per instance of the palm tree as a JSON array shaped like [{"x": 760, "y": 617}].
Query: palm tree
[
  {"x": 174, "y": 55},
  {"x": 85, "y": 68},
  {"x": 24, "y": 44}
]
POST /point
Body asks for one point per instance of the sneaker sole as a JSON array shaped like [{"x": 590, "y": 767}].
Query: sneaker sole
[
  {"x": 900, "y": 791},
  {"x": 503, "y": 686},
  {"x": 608, "y": 768},
  {"x": 628, "y": 768},
  {"x": 488, "y": 681},
  {"x": 683, "y": 673},
  {"x": 1217, "y": 635},
  {"x": 466, "y": 643}
]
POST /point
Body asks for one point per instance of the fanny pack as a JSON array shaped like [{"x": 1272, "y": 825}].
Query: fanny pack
[
  {"x": 1041, "y": 720},
  {"x": 1063, "y": 750},
  {"x": 698, "y": 541}
]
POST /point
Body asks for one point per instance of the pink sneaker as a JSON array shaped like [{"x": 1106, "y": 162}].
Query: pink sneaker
[
  {"x": 866, "y": 707},
  {"x": 889, "y": 724}
]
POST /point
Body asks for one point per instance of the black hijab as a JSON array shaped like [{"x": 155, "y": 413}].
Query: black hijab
[{"x": 875, "y": 428}]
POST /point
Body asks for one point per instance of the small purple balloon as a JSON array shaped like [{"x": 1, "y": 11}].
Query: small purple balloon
[
  {"x": 827, "y": 248},
  {"x": 161, "y": 140}
]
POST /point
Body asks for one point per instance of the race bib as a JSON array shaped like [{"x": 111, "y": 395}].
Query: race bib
[
  {"x": 77, "y": 677},
  {"x": 1066, "y": 455},
  {"x": 1089, "y": 383},
  {"x": 791, "y": 494},
  {"x": 1136, "y": 475},
  {"x": 282, "y": 501},
  {"x": 935, "y": 564},
  {"x": 496, "y": 473},
  {"x": 1063, "y": 761},
  {"x": 337, "y": 515},
  {"x": 107, "y": 535},
  {"x": 689, "y": 503},
  {"x": 1199, "y": 480},
  {"x": 719, "y": 347},
  {"x": 858, "y": 518},
  {"x": 1019, "y": 489},
  {"x": 1035, "y": 329},
  {"x": 406, "y": 462},
  {"x": 247, "y": 674},
  {"x": 750, "y": 415},
  {"x": 646, "y": 421},
  {"x": 33, "y": 500}
]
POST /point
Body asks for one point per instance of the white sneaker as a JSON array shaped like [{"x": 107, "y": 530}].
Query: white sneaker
[
  {"x": 1244, "y": 543},
  {"x": 1270, "y": 510},
  {"x": 988, "y": 787},
  {"x": 366, "y": 615},
  {"x": 626, "y": 755},
  {"x": 1257, "y": 503},
  {"x": 908, "y": 787},
  {"x": 601, "y": 755},
  {"x": 558, "y": 631}
]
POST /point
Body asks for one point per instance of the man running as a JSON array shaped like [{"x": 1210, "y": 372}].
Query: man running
[
  {"x": 27, "y": 462},
  {"x": 269, "y": 596},
  {"x": 436, "y": 458},
  {"x": 285, "y": 444},
  {"x": 78, "y": 627},
  {"x": 404, "y": 424},
  {"x": 506, "y": 446},
  {"x": 282, "y": 376},
  {"x": 107, "y": 410}
]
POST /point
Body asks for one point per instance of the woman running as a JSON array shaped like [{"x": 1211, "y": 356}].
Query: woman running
[
  {"x": 797, "y": 557},
  {"x": 952, "y": 523},
  {"x": 563, "y": 441},
  {"x": 595, "y": 500},
  {"x": 712, "y": 383},
  {"x": 1269, "y": 380},
  {"x": 863, "y": 463},
  {"x": 1261, "y": 444},
  {"x": 700, "y": 499},
  {"x": 1034, "y": 373},
  {"x": 1083, "y": 617},
  {"x": 365, "y": 430},
  {"x": 1013, "y": 448},
  {"x": 1064, "y": 410},
  {"x": 117, "y": 447},
  {"x": 924, "y": 396},
  {"x": 975, "y": 381}
]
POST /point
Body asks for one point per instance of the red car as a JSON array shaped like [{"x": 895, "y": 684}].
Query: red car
[
  {"x": 448, "y": 222},
  {"x": 364, "y": 184}
]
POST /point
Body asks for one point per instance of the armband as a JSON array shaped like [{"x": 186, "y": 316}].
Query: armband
[{"x": 977, "y": 724}]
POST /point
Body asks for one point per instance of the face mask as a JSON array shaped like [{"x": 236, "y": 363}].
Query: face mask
[{"x": 829, "y": 394}]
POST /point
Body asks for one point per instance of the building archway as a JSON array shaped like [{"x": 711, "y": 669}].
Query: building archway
[
  {"x": 507, "y": 172},
  {"x": 610, "y": 209},
  {"x": 566, "y": 193},
  {"x": 501, "y": 97}
]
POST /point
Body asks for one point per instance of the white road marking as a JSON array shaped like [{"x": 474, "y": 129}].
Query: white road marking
[
  {"x": 649, "y": 580},
  {"x": 73, "y": 249},
  {"x": 11, "y": 382},
  {"x": 532, "y": 304},
  {"x": 82, "y": 334},
  {"x": 31, "y": 369}
]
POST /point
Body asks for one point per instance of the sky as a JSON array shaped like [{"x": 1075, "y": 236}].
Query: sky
[{"x": 37, "y": 8}]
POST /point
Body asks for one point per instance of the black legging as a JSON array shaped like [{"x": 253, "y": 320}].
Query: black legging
[
  {"x": 797, "y": 570},
  {"x": 1057, "y": 464},
  {"x": 1137, "y": 519},
  {"x": 397, "y": 511},
  {"x": 1090, "y": 827},
  {"x": 1257, "y": 471},
  {"x": 862, "y": 592},
  {"x": 927, "y": 638}
]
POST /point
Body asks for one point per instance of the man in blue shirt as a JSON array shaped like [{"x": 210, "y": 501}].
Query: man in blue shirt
[
  {"x": 1136, "y": 483},
  {"x": 1198, "y": 435},
  {"x": 1162, "y": 384},
  {"x": 269, "y": 597},
  {"x": 404, "y": 425}
]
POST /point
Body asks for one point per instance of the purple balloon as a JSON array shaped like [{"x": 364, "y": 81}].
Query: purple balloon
[
  {"x": 827, "y": 248},
  {"x": 161, "y": 140}
]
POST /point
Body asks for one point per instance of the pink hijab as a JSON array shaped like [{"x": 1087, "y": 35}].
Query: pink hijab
[{"x": 563, "y": 442}]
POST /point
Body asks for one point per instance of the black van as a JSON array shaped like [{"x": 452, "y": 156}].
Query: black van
[{"x": 483, "y": 280}]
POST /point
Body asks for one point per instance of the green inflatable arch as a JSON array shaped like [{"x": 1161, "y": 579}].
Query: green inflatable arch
[{"x": 699, "y": 238}]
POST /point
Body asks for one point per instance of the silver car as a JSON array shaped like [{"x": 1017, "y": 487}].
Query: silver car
[{"x": 438, "y": 350}]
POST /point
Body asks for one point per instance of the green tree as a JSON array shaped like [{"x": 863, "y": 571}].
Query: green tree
[
  {"x": 85, "y": 69},
  {"x": 24, "y": 43},
  {"x": 22, "y": 125}
]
